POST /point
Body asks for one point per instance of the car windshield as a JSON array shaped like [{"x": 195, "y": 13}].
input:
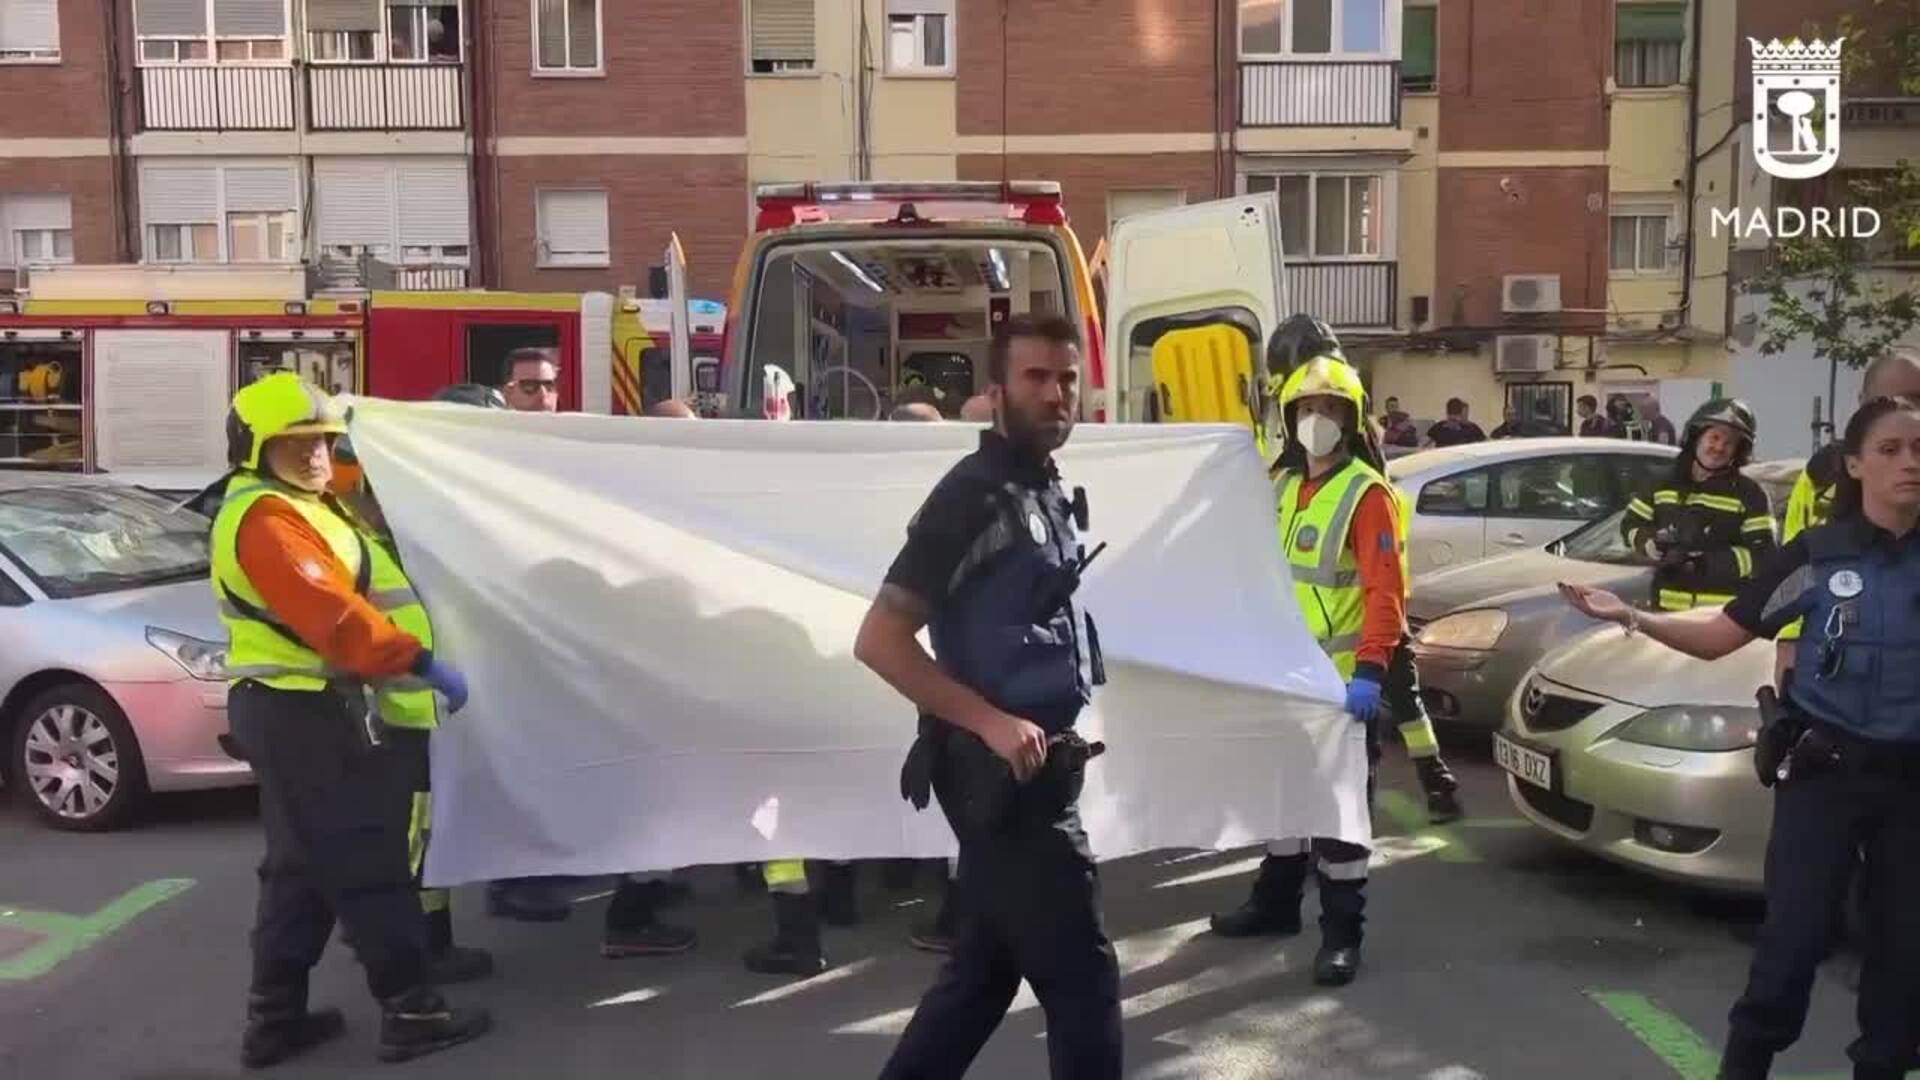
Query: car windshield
[{"x": 76, "y": 540}]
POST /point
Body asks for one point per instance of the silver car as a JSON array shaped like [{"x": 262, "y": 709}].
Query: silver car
[
  {"x": 111, "y": 680},
  {"x": 1478, "y": 629},
  {"x": 1644, "y": 756}
]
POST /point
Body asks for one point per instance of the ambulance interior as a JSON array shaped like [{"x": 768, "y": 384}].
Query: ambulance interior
[
  {"x": 863, "y": 326},
  {"x": 41, "y": 411}
]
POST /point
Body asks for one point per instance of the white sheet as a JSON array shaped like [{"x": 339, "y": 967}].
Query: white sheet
[{"x": 657, "y": 617}]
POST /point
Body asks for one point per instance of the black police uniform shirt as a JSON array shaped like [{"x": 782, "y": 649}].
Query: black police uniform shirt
[
  {"x": 956, "y": 512},
  {"x": 1769, "y": 601}
]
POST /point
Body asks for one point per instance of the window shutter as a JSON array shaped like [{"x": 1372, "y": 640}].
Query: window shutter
[
  {"x": 171, "y": 18},
  {"x": 782, "y": 29},
  {"x": 259, "y": 189},
  {"x": 1650, "y": 22},
  {"x": 249, "y": 18},
  {"x": 573, "y": 221},
  {"x": 39, "y": 212},
  {"x": 433, "y": 204},
  {"x": 916, "y": 7},
  {"x": 353, "y": 204},
  {"x": 29, "y": 24},
  {"x": 325, "y": 15},
  {"x": 180, "y": 195}
]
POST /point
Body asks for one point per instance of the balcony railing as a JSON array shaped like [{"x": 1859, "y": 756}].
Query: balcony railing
[
  {"x": 216, "y": 97},
  {"x": 1345, "y": 294},
  {"x": 367, "y": 272},
  {"x": 1333, "y": 93},
  {"x": 384, "y": 97}
]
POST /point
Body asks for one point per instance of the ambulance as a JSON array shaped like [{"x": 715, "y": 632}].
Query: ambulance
[{"x": 860, "y": 291}]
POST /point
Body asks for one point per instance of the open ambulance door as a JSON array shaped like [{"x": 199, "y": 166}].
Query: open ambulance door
[
  {"x": 681, "y": 332},
  {"x": 1193, "y": 295}
]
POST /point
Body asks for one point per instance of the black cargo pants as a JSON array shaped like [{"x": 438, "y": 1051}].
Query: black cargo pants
[
  {"x": 1030, "y": 904},
  {"x": 335, "y": 814}
]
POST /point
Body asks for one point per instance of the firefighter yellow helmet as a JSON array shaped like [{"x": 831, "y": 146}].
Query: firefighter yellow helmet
[
  {"x": 1325, "y": 376},
  {"x": 279, "y": 404}
]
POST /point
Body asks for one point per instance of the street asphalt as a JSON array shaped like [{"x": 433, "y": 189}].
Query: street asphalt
[{"x": 1493, "y": 952}]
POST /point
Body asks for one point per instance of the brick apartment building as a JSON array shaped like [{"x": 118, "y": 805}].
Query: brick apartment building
[{"x": 1492, "y": 198}]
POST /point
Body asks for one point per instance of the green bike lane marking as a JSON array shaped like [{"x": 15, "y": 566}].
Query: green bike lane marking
[
  {"x": 1446, "y": 841},
  {"x": 1671, "y": 1039},
  {"x": 64, "y": 935}
]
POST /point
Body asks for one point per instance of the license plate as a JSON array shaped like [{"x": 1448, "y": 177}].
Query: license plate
[{"x": 1526, "y": 763}]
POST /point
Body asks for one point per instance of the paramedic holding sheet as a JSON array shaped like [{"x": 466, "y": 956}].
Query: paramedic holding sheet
[{"x": 990, "y": 567}]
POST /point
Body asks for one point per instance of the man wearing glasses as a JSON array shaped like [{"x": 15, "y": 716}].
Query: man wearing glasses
[{"x": 533, "y": 381}]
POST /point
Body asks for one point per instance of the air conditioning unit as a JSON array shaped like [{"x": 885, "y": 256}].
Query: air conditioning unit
[
  {"x": 1522, "y": 294},
  {"x": 1523, "y": 354}
]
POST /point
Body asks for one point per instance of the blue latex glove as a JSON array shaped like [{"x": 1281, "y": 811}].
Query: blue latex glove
[
  {"x": 450, "y": 683},
  {"x": 1363, "y": 698}
]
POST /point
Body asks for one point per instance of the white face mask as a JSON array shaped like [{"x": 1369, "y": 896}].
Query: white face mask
[{"x": 1318, "y": 435}]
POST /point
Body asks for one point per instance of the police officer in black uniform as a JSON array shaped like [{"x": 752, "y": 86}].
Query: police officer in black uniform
[
  {"x": 1843, "y": 753},
  {"x": 990, "y": 567}
]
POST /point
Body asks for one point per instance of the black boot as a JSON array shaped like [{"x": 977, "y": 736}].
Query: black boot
[
  {"x": 632, "y": 929},
  {"x": 448, "y": 963},
  {"x": 420, "y": 1022},
  {"x": 748, "y": 876},
  {"x": 1343, "y": 907},
  {"x": 1744, "y": 1061},
  {"x": 836, "y": 882},
  {"x": 279, "y": 1027},
  {"x": 795, "y": 948},
  {"x": 1443, "y": 799},
  {"x": 1273, "y": 909},
  {"x": 898, "y": 874}
]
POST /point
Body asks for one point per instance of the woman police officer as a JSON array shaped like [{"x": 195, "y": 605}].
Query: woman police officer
[{"x": 1851, "y": 781}]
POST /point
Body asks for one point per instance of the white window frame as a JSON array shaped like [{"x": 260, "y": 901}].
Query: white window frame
[
  {"x": 1640, "y": 210},
  {"x": 1389, "y": 36},
  {"x": 149, "y": 251},
  {"x": 811, "y": 71},
  {"x": 1384, "y": 241},
  {"x": 214, "y": 41},
  {"x": 222, "y": 216},
  {"x": 547, "y": 259},
  {"x": 52, "y": 240},
  {"x": 919, "y": 11},
  {"x": 345, "y": 38},
  {"x": 289, "y": 235},
  {"x": 600, "y": 43},
  {"x": 36, "y": 56},
  {"x": 384, "y": 50}
]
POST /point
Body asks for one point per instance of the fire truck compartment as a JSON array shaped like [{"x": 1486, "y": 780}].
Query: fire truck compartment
[{"x": 864, "y": 325}]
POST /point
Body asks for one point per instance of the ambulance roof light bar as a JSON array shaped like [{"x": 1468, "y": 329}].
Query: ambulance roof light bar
[{"x": 781, "y": 205}]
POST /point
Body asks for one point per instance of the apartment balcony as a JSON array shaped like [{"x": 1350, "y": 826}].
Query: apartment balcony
[
  {"x": 385, "y": 97},
  {"x": 367, "y": 272},
  {"x": 216, "y": 97},
  {"x": 1358, "y": 295},
  {"x": 1332, "y": 93}
]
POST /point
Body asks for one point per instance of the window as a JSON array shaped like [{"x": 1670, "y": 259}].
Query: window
[
  {"x": 342, "y": 46},
  {"x": 1327, "y": 216},
  {"x": 423, "y": 33},
  {"x": 1419, "y": 50},
  {"x": 780, "y": 36},
  {"x": 566, "y": 36},
  {"x": 920, "y": 37},
  {"x": 573, "y": 228},
  {"x": 1638, "y": 241},
  {"x": 1463, "y": 493},
  {"x": 1646, "y": 44},
  {"x": 35, "y": 229},
  {"x": 226, "y": 31},
  {"x": 1572, "y": 487},
  {"x": 196, "y": 243},
  {"x": 29, "y": 31},
  {"x": 1313, "y": 28},
  {"x": 260, "y": 237}
]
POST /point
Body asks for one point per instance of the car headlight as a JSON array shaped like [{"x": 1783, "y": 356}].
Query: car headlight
[
  {"x": 1708, "y": 728},
  {"x": 1479, "y": 629},
  {"x": 204, "y": 660}
]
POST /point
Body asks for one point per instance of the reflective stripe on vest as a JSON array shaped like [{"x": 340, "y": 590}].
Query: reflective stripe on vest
[
  {"x": 264, "y": 650},
  {"x": 1326, "y": 578}
]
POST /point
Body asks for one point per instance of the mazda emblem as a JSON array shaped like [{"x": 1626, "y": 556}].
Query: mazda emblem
[{"x": 1532, "y": 701}]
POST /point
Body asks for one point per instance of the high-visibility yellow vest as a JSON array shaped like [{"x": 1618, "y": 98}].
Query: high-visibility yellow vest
[
  {"x": 265, "y": 651},
  {"x": 1326, "y": 577}
]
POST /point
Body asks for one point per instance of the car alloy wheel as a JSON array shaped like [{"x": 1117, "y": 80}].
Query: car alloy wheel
[{"x": 77, "y": 759}]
